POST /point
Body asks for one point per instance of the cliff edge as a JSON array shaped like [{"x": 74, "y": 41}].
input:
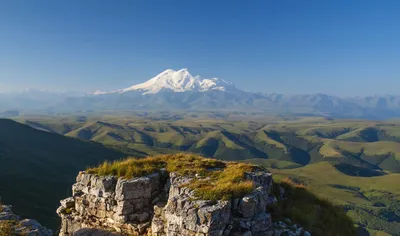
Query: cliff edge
[{"x": 172, "y": 195}]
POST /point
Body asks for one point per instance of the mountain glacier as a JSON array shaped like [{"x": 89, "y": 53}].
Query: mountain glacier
[{"x": 176, "y": 81}]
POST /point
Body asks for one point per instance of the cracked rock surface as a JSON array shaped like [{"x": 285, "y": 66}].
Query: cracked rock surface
[{"x": 159, "y": 204}]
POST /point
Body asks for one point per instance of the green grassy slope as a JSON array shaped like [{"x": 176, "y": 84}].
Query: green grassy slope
[
  {"x": 372, "y": 202},
  {"x": 37, "y": 168},
  {"x": 348, "y": 152},
  {"x": 369, "y": 144}
]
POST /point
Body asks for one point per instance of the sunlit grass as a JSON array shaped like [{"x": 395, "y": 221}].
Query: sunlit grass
[
  {"x": 7, "y": 228},
  {"x": 217, "y": 179}
]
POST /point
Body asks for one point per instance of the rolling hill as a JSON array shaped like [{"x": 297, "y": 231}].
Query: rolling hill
[
  {"x": 372, "y": 202},
  {"x": 354, "y": 162},
  {"x": 368, "y": 144},
  {"x": 37, "y": 168}
]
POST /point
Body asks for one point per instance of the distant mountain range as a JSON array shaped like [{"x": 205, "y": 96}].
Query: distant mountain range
[{"x": 179, "y": 90}]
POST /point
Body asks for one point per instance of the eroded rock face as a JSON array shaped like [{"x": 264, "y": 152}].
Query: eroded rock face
[
  {"x": 160, "y": 205},
  {"x": 11, "y": 224},
  {"x": 184, "y": 216},
  {"x": 110, "y": 203}
]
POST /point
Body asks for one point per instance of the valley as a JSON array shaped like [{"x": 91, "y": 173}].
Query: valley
[
  {"x": 38, "y": 168},
  {"x": 353, "y": 163},
  {"x": 368, "y": 144}
]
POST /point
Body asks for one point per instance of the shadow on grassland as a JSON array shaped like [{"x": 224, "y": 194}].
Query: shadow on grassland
[{"x": 316, "y": 215}]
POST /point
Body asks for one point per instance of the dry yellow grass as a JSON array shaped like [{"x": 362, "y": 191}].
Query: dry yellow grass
[
  {"x": 7, "y": 228},
  {"x": 290, "y": 182},
  {"x": 219, "y": 180}
]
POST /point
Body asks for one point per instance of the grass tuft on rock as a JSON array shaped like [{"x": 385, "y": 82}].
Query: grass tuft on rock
[
  {"x": 7, "y": 228},
  {"x": 214, "y": 179}
]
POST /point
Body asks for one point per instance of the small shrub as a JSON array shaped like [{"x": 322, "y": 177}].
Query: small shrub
[{"x": 67, "y": 211}]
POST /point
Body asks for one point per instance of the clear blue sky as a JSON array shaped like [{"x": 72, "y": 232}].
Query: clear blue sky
[{"x": 330, "y": 46}]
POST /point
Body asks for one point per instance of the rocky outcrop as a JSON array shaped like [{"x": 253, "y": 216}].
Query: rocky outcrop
[
  {"x": 159, "y": 204},
  {"x": 12, "y": 224},
  {"x": 241, "y": 216},
  {"x": 120, "y": 205}
]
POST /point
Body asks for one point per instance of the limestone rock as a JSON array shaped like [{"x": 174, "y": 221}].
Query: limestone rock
[
  {"x": 107, "y": 202},
  {"x": 22, "y": 226},
  {"x": 161, "y": 205},
  {"x": 185, "y": 216}
]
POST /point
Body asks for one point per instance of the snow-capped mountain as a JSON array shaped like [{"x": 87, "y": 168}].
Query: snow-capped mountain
[
  {"x": 177, "y": 81},
  {"x": 179, "y": 90}
]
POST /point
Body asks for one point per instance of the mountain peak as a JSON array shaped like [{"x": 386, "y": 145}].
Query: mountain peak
[{"x": 179, "y": 81}]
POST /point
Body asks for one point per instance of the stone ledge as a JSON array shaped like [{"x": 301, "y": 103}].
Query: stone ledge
[{"x": 159, "y": 204}]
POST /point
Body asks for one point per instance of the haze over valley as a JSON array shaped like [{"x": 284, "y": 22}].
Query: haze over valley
[{"x": 179, "y": 90}]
